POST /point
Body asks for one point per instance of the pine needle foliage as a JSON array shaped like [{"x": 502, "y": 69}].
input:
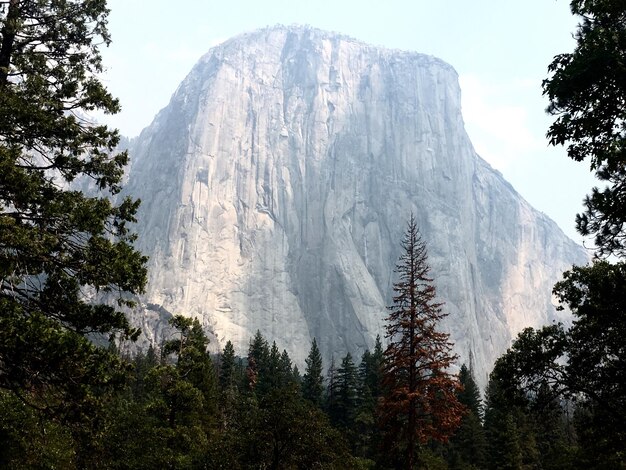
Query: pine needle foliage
[
  {"x": 420, "y": 394},
  {"x": 58, "y": 245}
]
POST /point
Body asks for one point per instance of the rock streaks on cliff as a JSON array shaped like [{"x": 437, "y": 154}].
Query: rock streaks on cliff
[{"x": 277, "y": 183}]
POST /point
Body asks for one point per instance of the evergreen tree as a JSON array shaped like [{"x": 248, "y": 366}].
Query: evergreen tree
[
  {"x": 282, "y": 431},
  {"x": 595, "y": 345},
  {"x": 193, "y": 360},
  {"x": 503, "y": 439},
  {"x": 227, "y": 377},
  {"x": 510, "y": 430},
  {"x": 313, "y": 381},
  {"x": 143, "y": 364},
  {"x": 330, "y": 404},
  {"x": 370, "y": 369},
  {"x": 258, "y": 356},
  {"x": 297, "y": 378},
  {"x": 550, "y": 422},
  {"x": 346, "y": 393},
  {"x": 230, "y": 381},
  {"x": 271, "y": 375},
  {"x": 182, "y": 405},
  {"x": 285, "y": 370},
  {"x": 58, "y": 243},
  {"x": 419, "y": 402},
  {"x": 177, "y": 420},
  {"x": 467, "y": 446},
  {"x": 584, "y": 362},
  {"x": 194, "y": 364},
  {"x": 587, "y": 92},
  {"x": 366, "y": 439},
  {"x": 469, "y": 394},
  {"x": 31, "y": 440}
]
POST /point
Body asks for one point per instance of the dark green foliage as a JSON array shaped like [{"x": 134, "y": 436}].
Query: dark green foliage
[
  {"x": 469, "y": 395},
  {"x": 288, "y": 376},
  {"x": 313, "y": 381},
  {"x": 258, "y": 360},
  {"x": 228, "y": 367},
  {"x": 31, "y": 440},
  {"x": 177, "y": 410},
  {"x": 346, "y": 389},
  {"x": 586, "y": 363},
  {"x": 291, "y": 432},
  {"x": 553, "y": 373},
  {"x": 296, "y": 377},
  {"x": 166, "y": 423},
  {"x": 596, "y": 366},
  {"x": 371, "y": 370},
  {"x": 549, "y": 374},
  {"x": 142, "y": 363},
  {"x": 524, "y": 419},
  {"x": 510, "y": 441},
  {"x": 553, "y": 430},
  {"x": 330, "y": 399},
  {"x": 56, "y": 244},
  {"x": 587, "y": 92},
  {"x": 193, "y": 361},
  {"x": 599, "y": 446},
  {"x": 467, "y": 446},
  {"x": 367, "y": 439}
]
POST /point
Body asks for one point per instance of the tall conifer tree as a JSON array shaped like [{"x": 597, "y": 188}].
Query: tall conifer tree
[
  {"x": 56, "y": 243},
  {"x": 420, "y": 402},
  {"x": 313, "y": 381},
  {"x": 468, "y": 445},
  {"x": 347, "y": 387},
  {"x": 227, "y": 374}
]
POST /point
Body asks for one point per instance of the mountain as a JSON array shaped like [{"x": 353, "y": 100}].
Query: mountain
[{"x": 276, "y": 187}]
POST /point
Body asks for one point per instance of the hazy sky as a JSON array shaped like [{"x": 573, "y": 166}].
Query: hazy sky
[{"x": 501, "y": 50}]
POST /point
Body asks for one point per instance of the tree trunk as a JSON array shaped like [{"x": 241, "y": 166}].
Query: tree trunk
[{"x": 9, "y": 30}]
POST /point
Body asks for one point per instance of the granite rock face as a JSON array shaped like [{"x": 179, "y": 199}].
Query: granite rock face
[{"x": 277, "y": 184}]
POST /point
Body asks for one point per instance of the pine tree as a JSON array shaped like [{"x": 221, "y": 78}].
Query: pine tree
[
  {"x": 419, "y": 402},
  {"x": 313, "y": 381},
  {"x": 330, "y": 399},
  {"x": 285, "y": 370},
  {"x": 297, "y": 378},
  {"x": 227, "y": 366},
  {"x": 194, "y": 363},
  {"x": 143, "y": 364},
  {"x": 271, "y": 375},
  {"x": 549, "y": 423},
  {"x": 509, "y": 431},
  {"x": 370, "y": 369},
  {"x": 258, "y": 357},
  {"x": 587, "y": 93},
  {"x": 182, "y": 404},
  {"x": 58, "y": 243},
  {"x": 467, "y": 446},
  {"x": 366, "y": 438},
  {"x": 469, "y": 395},
  {"x": 347, "y": 387}
]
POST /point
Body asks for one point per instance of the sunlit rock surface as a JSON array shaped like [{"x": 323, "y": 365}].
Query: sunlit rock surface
[{"x": 276, "y": 187}]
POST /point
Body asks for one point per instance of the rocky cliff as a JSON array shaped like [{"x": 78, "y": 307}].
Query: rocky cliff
[{"x": 276, "y": 187}]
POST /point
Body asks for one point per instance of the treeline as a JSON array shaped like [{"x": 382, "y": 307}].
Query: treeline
[
  {"x": 555, "y": 399},
  {"x": 184, "y": 408}
]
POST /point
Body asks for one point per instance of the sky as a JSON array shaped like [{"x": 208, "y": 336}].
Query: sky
[{"x": 500, "y": 49}]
